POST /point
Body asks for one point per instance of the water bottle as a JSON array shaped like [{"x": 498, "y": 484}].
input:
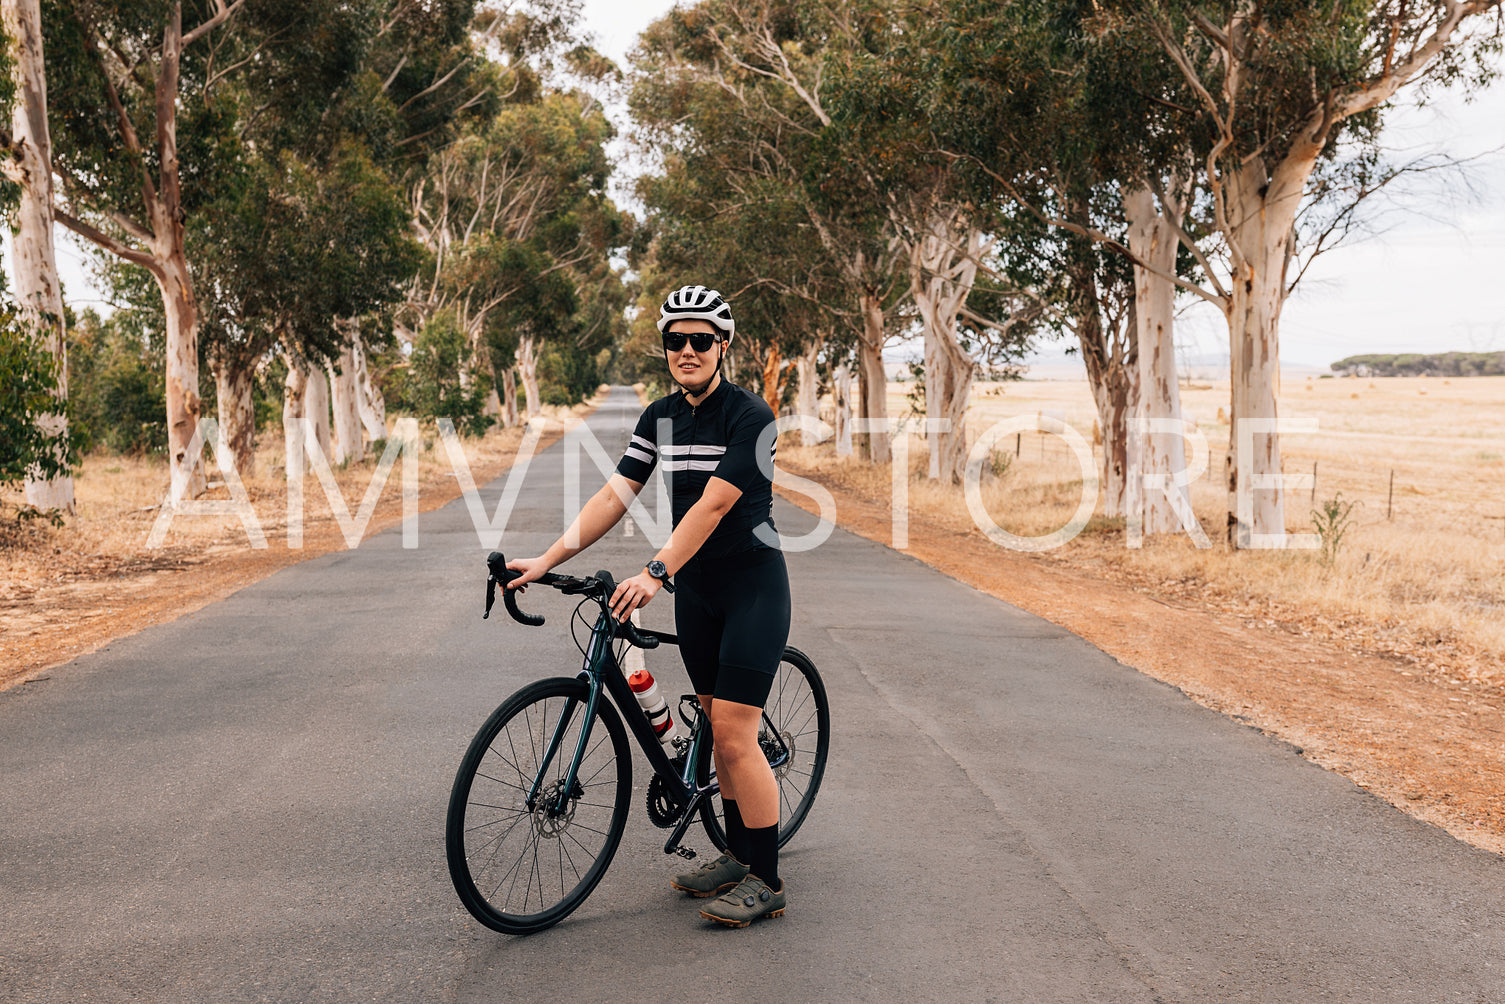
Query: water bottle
[{"x": 654, "y": 706}]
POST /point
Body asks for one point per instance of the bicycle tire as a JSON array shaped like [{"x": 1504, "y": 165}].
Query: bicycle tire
[
  {"x": 798, "y": 708},
  {"x": 491, "y": 837}
]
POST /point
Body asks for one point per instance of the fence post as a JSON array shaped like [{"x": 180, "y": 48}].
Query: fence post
[
  {"x": 1314, "y": 483},
  {"x": 1390, "y": 503}
]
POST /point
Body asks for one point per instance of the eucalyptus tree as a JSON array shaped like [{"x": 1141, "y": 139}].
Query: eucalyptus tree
[
  {"x": 1279, "y": 88},
  {"x": 290, "y": 254},
  {"x": 509, "y": 210},
  {"x": 124, "y": 80},
  {"x": 27, "y": 161},
  {"x": 972, "y": 277},
  {"x": 1073, "y": 127},
  {"x": 731, "y": 98}
]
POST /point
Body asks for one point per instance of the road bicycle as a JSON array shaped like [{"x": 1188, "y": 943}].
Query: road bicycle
[{"x": 541, "y": 797}]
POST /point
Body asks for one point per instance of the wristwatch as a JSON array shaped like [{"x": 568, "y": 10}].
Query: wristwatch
[{"x": 658, "y": 570}]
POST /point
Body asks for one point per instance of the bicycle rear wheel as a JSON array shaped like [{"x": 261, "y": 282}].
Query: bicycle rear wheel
[
  {"x": 797, "y": 711},
  {"x": 519, "y": 869}
]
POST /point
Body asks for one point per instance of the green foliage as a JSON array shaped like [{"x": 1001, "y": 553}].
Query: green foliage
[
  {"x": 28, "y": 389},
  {"x": 115, "y": 385},
  {"x": 1333, "y": 521},
  {"x": 565, "y": 376},
  {"x": 758, "y": 194},
  {"x": 1441, "y": 364},
  {"x": 430, "y": 384},
  {"x": 297, "y": 246},
  {"x": 999, "y": 462}
]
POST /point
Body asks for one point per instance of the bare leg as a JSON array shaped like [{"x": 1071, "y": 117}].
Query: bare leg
[
  {"x": 741, "y": 765},
  {"x": 728, "y": 785}
]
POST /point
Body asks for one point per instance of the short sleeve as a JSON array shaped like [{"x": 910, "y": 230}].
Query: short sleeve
[
  {"x": 740, "y": 466},
  {"x": 642, "y": 451}
]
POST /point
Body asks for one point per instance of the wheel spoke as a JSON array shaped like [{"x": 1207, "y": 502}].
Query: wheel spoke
[{"x": 504, "y": 872}]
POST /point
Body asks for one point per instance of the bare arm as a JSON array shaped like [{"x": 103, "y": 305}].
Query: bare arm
[
  {"x": 702, "y": 519},
  {"x": 693, "y": 531},
  {"x": 602, "y": 512}
]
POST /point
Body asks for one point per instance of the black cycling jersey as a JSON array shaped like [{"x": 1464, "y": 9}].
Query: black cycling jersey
[{"x": 720, "y": 437}]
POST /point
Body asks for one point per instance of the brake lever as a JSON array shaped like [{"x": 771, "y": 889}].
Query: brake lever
[{"x": 496, "y": 564}]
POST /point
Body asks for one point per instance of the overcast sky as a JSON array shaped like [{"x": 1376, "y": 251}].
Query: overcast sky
[{"x": 1431, "y": 281}]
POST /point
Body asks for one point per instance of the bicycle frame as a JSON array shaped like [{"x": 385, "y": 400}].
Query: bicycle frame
[{"x": 602, "y": 671}]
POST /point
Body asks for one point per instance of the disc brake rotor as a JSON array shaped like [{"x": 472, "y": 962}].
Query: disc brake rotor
[
  {"x": 550, "y": 822},
  {"x": 771, "y": 750}
]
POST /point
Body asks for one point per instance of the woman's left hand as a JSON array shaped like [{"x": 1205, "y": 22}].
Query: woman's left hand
[{"x": 633, "y": 593}]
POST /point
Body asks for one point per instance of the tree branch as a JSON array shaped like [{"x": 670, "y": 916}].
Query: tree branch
[
  {"x": 222, "y": 14},
  {"x": 110, "y": 244},
  {"x": 122, "y": 119}
]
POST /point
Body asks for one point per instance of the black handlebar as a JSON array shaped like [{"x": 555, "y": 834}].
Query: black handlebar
[{"x": 599, "y": 587}]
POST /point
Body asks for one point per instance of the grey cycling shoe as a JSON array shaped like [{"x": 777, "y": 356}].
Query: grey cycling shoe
[
  {"x": 711, "y": 878},
  {"x": 751, "y": 900}
]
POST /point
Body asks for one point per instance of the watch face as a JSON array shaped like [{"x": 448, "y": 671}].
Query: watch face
[{"x": 657, "y": 569}]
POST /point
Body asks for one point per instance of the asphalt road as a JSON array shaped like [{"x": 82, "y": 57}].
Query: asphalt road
[{"x": 248, "y": 804}]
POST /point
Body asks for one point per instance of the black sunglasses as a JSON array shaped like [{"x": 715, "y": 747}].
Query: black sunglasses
[{"x": 700, "y": 341}]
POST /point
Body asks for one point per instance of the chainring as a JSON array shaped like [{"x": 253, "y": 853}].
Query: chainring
[{"x": 663, "y": 810}]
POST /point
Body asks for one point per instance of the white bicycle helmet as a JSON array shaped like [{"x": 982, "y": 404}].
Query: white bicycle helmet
[{"x": 700, "y": 304}]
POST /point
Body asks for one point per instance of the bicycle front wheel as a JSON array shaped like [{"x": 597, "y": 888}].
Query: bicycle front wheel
[
  {"x": 795, "y": 736},
  {"x": 520, "y": 868}
]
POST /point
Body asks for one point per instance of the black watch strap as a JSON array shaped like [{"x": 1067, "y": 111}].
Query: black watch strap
[{"x": 659, "y": 571}]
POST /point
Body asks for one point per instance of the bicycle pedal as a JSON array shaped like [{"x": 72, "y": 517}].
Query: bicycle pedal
[{"x": 688, "y": 853}]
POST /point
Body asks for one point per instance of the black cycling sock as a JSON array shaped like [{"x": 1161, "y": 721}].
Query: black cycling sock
[
  {"x": 736, "y": 830},
  {"x": 763, "y": 854}
]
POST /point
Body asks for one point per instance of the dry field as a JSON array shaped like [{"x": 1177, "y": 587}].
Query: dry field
[
  {"x": 1386, "y": 667},
  {"x": 64, "y": 592},
  {"x": 1422, "y": 576}
]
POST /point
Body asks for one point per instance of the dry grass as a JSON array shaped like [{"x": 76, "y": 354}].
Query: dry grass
[{"x": 1426, "y": 584}]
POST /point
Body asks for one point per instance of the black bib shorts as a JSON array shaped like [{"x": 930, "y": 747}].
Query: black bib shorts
[{"x": 732, "y": 618}]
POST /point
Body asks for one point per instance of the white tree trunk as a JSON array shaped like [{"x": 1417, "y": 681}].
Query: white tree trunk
[
  {"x": 345, "y": 397},
  {"x": 369, "y": 400},
  {"x": 1154, "y": 238},
  {"x": 183, "y": 404},
  {"x": 480, "y": 363},
  {"x": 808, "y": 396},
  {"x": 510, "y": 417},
  {"x": 34, "y": 259},
  {"x": 527, "y": 365},
  {"x": 1115, "y": 401},
  {"x": 294, "y": 390},
  {"x": 873, "y": 379},
  {"x": 943, "y": 267},
  {"x": 233, "y": 384},
  {"x": 841, "y": 393},
  {"x": 316, "y": 408},
  {"x": 1261, "y": 213},
  {"x": 1113, "y": 376}
]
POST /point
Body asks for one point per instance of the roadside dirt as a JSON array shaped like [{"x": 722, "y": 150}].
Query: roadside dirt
[{"x": 1427, "y": 744}]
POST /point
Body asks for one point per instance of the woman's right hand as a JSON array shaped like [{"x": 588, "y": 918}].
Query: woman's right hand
[{"x": 531, "y": 568}]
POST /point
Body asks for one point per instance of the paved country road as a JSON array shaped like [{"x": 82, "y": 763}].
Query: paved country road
[{"x": 248, "y": 805}]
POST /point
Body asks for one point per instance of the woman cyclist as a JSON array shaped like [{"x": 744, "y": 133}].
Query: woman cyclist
[{"x": 731, "y": 609}]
